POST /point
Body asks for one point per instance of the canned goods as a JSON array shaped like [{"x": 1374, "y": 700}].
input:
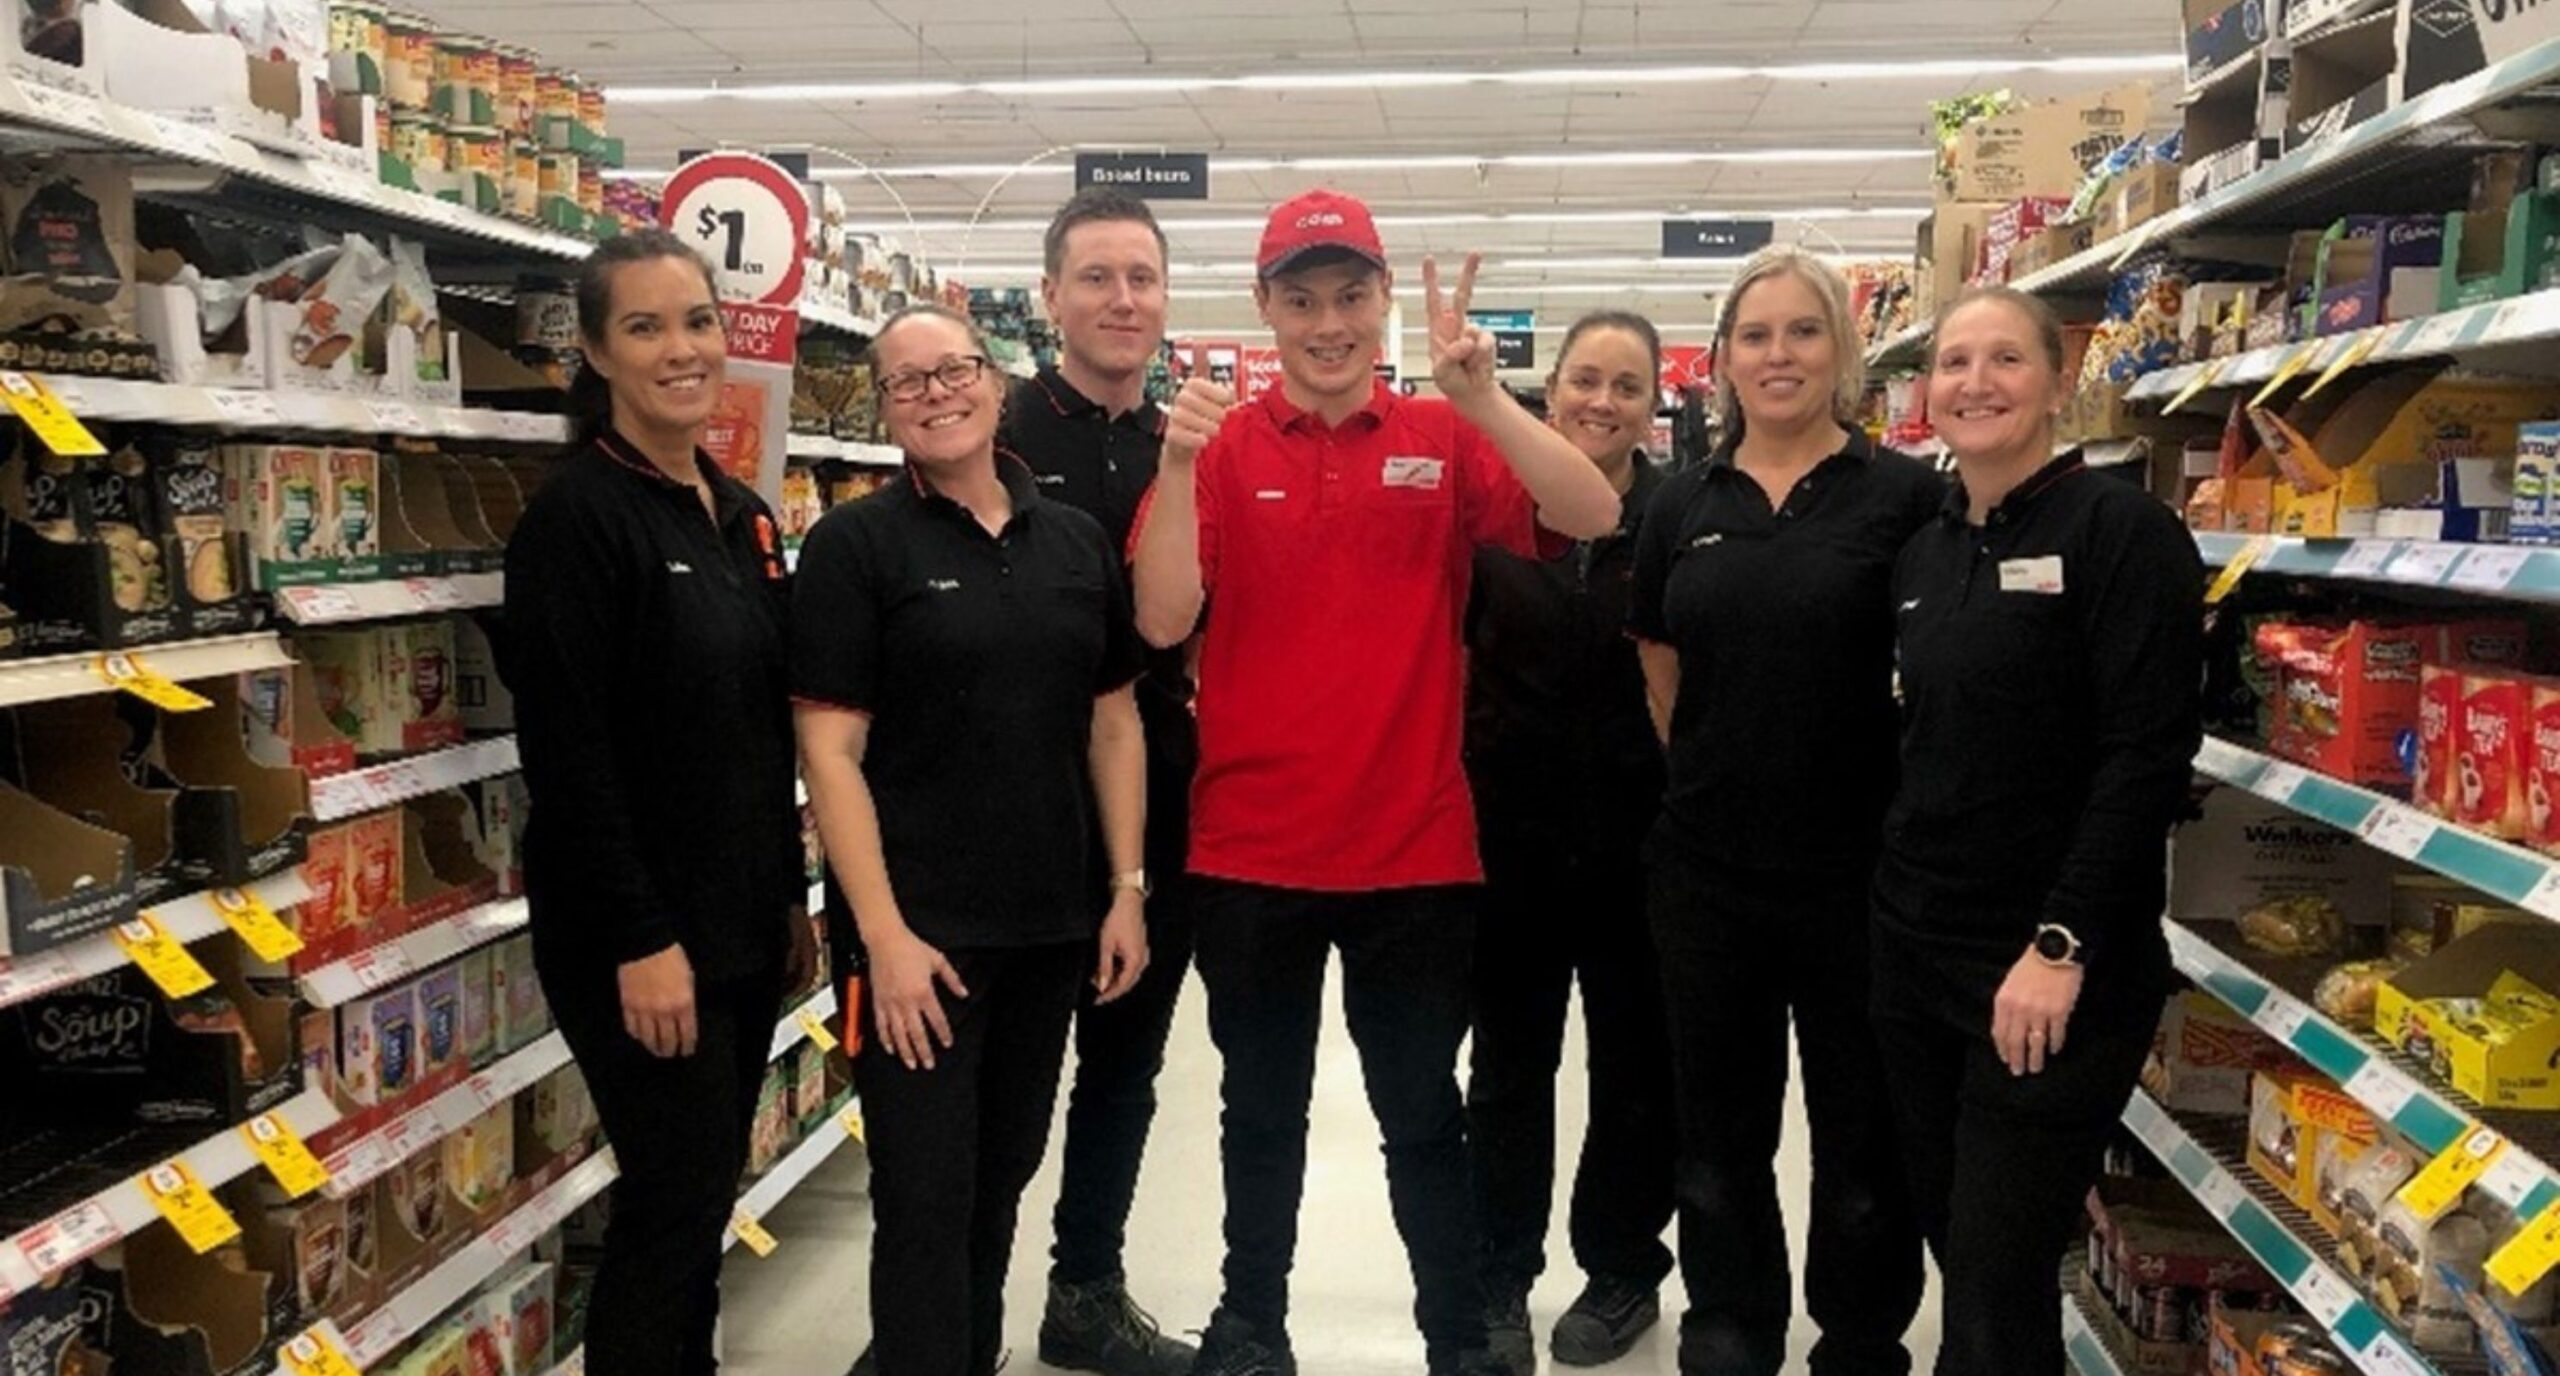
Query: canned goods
[
  {"x": 481, "y": 163},
  {"x": 591, "y": 109},
  {"x": 559, "y": 172},
  {"x": 524, "y": 181},
  {"x": 518, "y": 96},
  {"x": 418, "y": 139},
  {"x": 556, "y": 95},
  {"x": 381, "y": 127},
  {"x": 546, "y": 318},
  {"x": 409, "y": 61},
  {"x": 466, "y": 82},
  {"x": 590, "y": 188},
  {"x": 356, "y": 29}
]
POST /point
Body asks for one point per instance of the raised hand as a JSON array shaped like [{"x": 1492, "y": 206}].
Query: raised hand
[
  {"x": 1461, "y": 354},
  {"x": 1197, "y": 412}
]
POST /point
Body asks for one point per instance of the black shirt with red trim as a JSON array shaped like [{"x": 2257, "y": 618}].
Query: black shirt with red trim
[
  {"x": 2052, "y": 660},
  {"x": 978, "y": 658},
  {"x": 643, "y": 639}
]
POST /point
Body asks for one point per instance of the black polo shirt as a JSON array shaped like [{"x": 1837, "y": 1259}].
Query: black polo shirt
[
  {"x": 1559, "y": 743},
  {"x": 1782, "y": 739},
  {"x": 643, "y": 640},
  {"x": 2051, "y": 668},
  {"x": 1101, "y": 464},
  {"x": 978, "y": 658}
]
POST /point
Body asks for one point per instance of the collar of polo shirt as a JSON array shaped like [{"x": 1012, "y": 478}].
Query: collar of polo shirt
[
  {"x": 1382, "y": 399},
  {"x": 2025, "y": 495}
]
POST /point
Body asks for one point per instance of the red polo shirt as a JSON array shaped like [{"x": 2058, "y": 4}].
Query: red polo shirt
[{"x": 1331, "y": 677}]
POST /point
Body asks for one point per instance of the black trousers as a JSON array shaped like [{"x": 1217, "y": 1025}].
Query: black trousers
[
  {"x": 678, "y": 1128},
  {"x": 1741, "y": 951},
  {"x": 1999, "y": 1164},
  {"x": 951, "y": 1150},
  {"x": 1548, "y": 921},
  {"x": 1405, "y": 955},
  {"x": 1112, "y": 1104}
]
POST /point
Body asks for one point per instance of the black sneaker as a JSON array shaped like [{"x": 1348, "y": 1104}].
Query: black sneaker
[
  {"x": 1508, "y": 1342},
  {"x": 1479, "y": 1362},
  {"x": 1098, "y": 1327},
  {"x": 1605, "y": 1322},
  {"x": 1232, "y": 1348}
]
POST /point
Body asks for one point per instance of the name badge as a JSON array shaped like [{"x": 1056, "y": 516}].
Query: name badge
[
  {"x": 1410, "y": 472},
  {"x": 2032, "y": 575}
]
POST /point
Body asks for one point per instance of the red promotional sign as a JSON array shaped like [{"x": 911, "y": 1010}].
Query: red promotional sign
[
  {"x": 1686, "y": 365},
  {"x": 748, "y": 217}
]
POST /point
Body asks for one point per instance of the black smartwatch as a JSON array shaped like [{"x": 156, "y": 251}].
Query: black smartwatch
[{"x": 2056, "y": 946}]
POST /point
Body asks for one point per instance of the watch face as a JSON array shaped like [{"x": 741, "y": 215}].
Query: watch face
[{"x": 2053, "y": 944}]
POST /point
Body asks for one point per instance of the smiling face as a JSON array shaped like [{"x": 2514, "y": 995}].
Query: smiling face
[
  {"x": 1327, "y": 322},
  {"x": 1782, "y": 358},
  {"x": 1993, "y": 392},
  {"x": 1603, "y": 394},
  {"x": 947, "y": 424},
  {"x": 1107, "y": 297},
  {"x": 664, "y": 352}
]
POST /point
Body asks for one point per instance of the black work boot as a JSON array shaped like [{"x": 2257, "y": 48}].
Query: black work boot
[
  {"x": 1232, "y": 1347},
  {"x": 1508, "y": 1342},
  {"x": 1606, "y": 1321},
  {"x": 1097, "y": 1327}
]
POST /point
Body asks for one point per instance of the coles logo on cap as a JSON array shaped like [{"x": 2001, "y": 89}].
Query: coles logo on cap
[{"x": 1317, "y": 220}]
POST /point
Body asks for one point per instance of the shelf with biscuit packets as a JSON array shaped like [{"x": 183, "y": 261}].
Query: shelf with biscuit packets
[
  {"x": 256, "y": 408},
  {"x": 2517, "y": 320},
  {"x": 379, "y": 967},
  {"x": 2494, "y": 867},
  {"x": 49, "y": 677},
  {"x": 109, "y": 1216},
  {"x": 2517, "y": 572},
  {"x": 2278, "y": 1236},
  {"x": 336, "y": 604},
  {"x": 360, "y": 1162},
  {"x": 188, "y": 919},
  {"x": 335, "y": 797},
  {"x": 2301, "y": 188},
  {"x": 851, "y": 451}
]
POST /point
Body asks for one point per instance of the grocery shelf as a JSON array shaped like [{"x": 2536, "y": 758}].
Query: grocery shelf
[
  {"x": 838, "y": 319},
  {"x": 413, "y": 1310},
  {"x": 2529, "y": 319},
  {"x": 257, "y": 408},
  {"x": 378, "y": 967},
  {"x": 192, "y": 918},
  {"x": 2080, "y": 1342},
  {"x": 338, "y": 796},
  {"x": 77, "y": 675},
  {"x": 336, "y": 604},
  {"x": 2280, "y": 1245},
  {"x": 852, "y": 451},
  {"x": 361, "y": 1162},
  {"x": 2520, "y": 572},
  {"x": 793, "y": 1029},
  {"x": 111, "y": 1215},
  {"x": 791, "y": 1172},
  {"x": 2494, "y": 867}
]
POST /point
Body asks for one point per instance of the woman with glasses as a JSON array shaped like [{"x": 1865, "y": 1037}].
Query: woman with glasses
[{"x": 963, "y": 654}]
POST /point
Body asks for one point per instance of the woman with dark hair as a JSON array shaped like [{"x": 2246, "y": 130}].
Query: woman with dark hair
[
  {"x": 2052, "y": 652},
  {"x": 1567, "y": 777},
  {"x": 644, "y": 645}
]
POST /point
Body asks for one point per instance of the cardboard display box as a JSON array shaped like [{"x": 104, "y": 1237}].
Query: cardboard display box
[
  {"x": 2221, "y": 32},
  {"x": 2236, "y": 128},
  {"x": 2340, "y": 80},
  {"x": 113, "y": 1050},
  {"x": 2446, "y": 40},
  {"x": 63, "y": 878},
  {"x": 2246, "y": 852},
  {"x": 1950, "y": 244},
  {"x": 2046, "y": 150},
  {"x": 2413, "y": 415},
  {"x": 2420, "y": 1010},
  {"x": 2135, "y": 198},
  {"x": 2375, "y": 270}
]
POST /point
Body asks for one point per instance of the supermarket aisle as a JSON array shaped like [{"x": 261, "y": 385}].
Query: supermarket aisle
[{"x": 801, "y": 1312}]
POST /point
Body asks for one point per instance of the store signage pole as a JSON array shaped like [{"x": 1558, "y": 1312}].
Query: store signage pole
[{"x": 749, "y": 218}]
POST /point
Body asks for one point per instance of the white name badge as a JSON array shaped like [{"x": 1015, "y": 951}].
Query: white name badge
[
  {"x": 1411, "y": 472},
  {"x": 2042, "y": 575}
]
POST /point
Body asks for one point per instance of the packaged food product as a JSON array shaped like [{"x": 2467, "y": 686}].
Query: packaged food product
[
  {"x": 70, "y": 233},
  {"x": 479, "y": 1017},
  {"x": 2346, "y": 992},
  {"x": 523, "y": 1015},
  {"x": 378, "y": 1045},
  {"x": 375, "y": 858},
  {"x": 2542, "y": 769},
  {"x": 2299, "y": 925},
  {"x": 439, "y": 993},
  {"x": 418, "y": 139},
  {"x": 412, "y": 310},
  {"x": 519, "y": 97},
  {"x": 125, "y": 521},
  {"x": 356, "y": 29},
  {"x": 354, "y": 507},
  {"x": 330, "y": 314},
  {"x": 479, "y": 163},
  {"x": 417, "y": 682},
  {"x": 466, "y": 81},
  {"x": 555, "y": 96},
  {"x": 524, "y": 1300},
  {"x": 2375, "y": 1181},
  {"x": 317, "y": 919},
  {"x": 524, "y": 180},
  {"x": 186, "y": 480},
  {"x": 2431, "y": 773},
  {"x": 591, "y": 109},
  {"x": 2489, "y": 749}
]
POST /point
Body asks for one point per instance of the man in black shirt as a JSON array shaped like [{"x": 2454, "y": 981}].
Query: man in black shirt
[{"x": 1089, "y": 434}]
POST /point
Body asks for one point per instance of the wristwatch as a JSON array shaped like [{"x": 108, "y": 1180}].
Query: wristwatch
[
  {"x": 1132, "y": 881},
  {"x": 2057, "y": 946}
]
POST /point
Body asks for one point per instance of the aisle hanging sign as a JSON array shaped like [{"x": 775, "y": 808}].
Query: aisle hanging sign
[
  {"x": 749, "y": 218},
  {"x": 1154, "y": 176},
  {"x": 1716, "y": 238},
  {"x": 1515, "y": 338}
]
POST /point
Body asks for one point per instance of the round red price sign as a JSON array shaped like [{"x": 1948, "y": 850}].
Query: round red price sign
[{"x": 748, "y": 217}]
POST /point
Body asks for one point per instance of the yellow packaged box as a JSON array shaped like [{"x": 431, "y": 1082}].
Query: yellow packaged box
[
  {"x": 2480, "y": 1012},
  {"x": 2400, "y": 418},
  {"x": 2304, "y": 1135}
]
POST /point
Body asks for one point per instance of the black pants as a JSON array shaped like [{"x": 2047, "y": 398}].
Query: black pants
[
  {"x": 951, "y": 1150},
  {"x": 1548, "y": 921},
  {"x": 1740, "y": 951},
  {"x": 2000, "y": 1165},
  {"x": 1112, "y": 1104},
  {"x": 1404, "y": 992},
  {"x": 678, "y": 1128}
]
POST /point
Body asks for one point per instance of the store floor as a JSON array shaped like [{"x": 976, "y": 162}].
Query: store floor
[{"x": 803, "y": 1311}]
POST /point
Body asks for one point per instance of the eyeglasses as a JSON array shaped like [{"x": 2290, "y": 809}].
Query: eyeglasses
[{"x": 953, "y": 373}]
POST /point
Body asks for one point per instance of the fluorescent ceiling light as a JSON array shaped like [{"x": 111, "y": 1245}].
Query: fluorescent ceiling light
[
  {"x": 1369, "y": 162},
  {"x": 1934, "y": 70}
]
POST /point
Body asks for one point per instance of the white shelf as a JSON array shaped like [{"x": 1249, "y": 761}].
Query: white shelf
[
  {"x": 2080, "y": 1345},
  {"x": 852, "y": 451},
  {"x": 71, "y": 676},
  {"x": 2532, "y": 318},
  {"x": 789, "y": 1033},
  {"x": 361, "y": 1162},
  {"x": 244, "y": 408},
  {"x": 2523, "y": 573},
  {"x": 790, "y": 1173},
  {"x": 338, "y": 796},
  {"x": 379, "y": 967},
  {"x": 336, "y": 604},
  {"x": 121, "y": 1210},
  {"x": 192, "y": 918}
]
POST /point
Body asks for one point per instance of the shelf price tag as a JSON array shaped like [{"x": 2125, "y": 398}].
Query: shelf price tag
[
  {"x": 62, "y": 1240},
  {"x": 2242, "y": 560},
  {"x": 45, "y": 415},
  {"x": 752, "y": 1233},
  {"x": 2287, "y": 371},
  {"x": 2397, "y": 830},
  {"x": 2439, "y": 1187},
  {"x": 312, "y": 605},
  {"x": 851, "y": 1120},
  {"x": 312, "y": 1354},
  {"x": 2544, "y": 898},
  {"x": 161, "y": 957},
  {"x": 2281, "y": 1016},
  {"x": 2529, "y": 1255},
  {"x": 2326, "y": 1297},
  {"x": 2279, "y": 781},
  {"x": 2380, "y": 1086},
  {"x": 526, "y": 427},
  {"x": 2488, "y": 569},
  {"x": 2384, "y": 1356},
  {"x": 816, "y": 1027},
  {"x": 284, "y": 1155},
  {"x": 377, "y": 966},
  {"x": 393, "y": 417},
  {"x": 182, "y": 1199},
  {"x": 2510, "y": 1179},
  {"x": 2366, "y": 558},
  {"x": 27, "y": 976},
  {"x": 2355, "y": 353},
  {"x": 66, "y": 107},
  {"x": 2211, "y": 373},
  {"x": 128, "y": 674},
  {"x": 257, "y": 925},
  {"x": 2221, "y": 1194},
  {"x": 435, "y": 594},
  {"x": 243, "y": 406},
  {"x": 2426, "y": 564}
]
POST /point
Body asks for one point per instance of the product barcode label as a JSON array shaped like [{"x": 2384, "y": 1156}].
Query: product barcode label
[
  {"x": 2381, "y": 1087},
  {"x": 2366, "y": 558},
  {"x": 2436, "y": 334},
  {"x": 2221, "y": 1194},
  {"x": 2325, "y": 1295},
  {"x": 2397, "y": 830},
  {"x": 2279, "y": 782},
  {"x": 238, "y": 406},
  {"x": 2489, "y": 569},
  {"x": 67, "y": 1237},
  {"x": 2425, "y": 564},
  {"x": 2281, "y": 1016},
  {"x": 28, "y": 976}
]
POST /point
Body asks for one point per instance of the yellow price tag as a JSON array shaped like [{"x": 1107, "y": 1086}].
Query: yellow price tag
[
  {"x": 257, "y": 925},
  {"x": 148, "y": 944},
  {"x": 2435, "y": 1190},
  {"x": 2356, "y": 353},
  {"x": 2287, "y": 371},
  {"x": 44, "y": 413},
  {"x": 852, "y": 1120},
  {"x": 128, "y": 674},
  {"x": 2529, "y": 1255},
  {"x": 2249, "y": 553},
  {"x": 284, "y": 1155},
  {"x": 752, "y": 1233},
  {"x": 2202, "y": 380},
  {"x": 816, "y": 1027},
  {"x": 190, "y": 1208},
  {"x": 312, "y": 1354}
]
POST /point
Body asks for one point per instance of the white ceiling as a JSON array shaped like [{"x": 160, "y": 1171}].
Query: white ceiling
[{"x": 1559, "y": 269}]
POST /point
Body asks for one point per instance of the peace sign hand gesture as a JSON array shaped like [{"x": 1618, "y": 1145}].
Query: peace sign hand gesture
[{"x": 1461, "y": 354}]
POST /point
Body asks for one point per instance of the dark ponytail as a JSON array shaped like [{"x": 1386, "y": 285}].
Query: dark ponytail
[{"x": 590, "y": 396}]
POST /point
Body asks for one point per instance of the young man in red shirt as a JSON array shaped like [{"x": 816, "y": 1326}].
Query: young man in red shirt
[{"x": 1335, "y": 523}]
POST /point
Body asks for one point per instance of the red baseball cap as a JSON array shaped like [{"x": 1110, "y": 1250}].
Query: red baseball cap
[{"x": 1318, "y": 219}]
